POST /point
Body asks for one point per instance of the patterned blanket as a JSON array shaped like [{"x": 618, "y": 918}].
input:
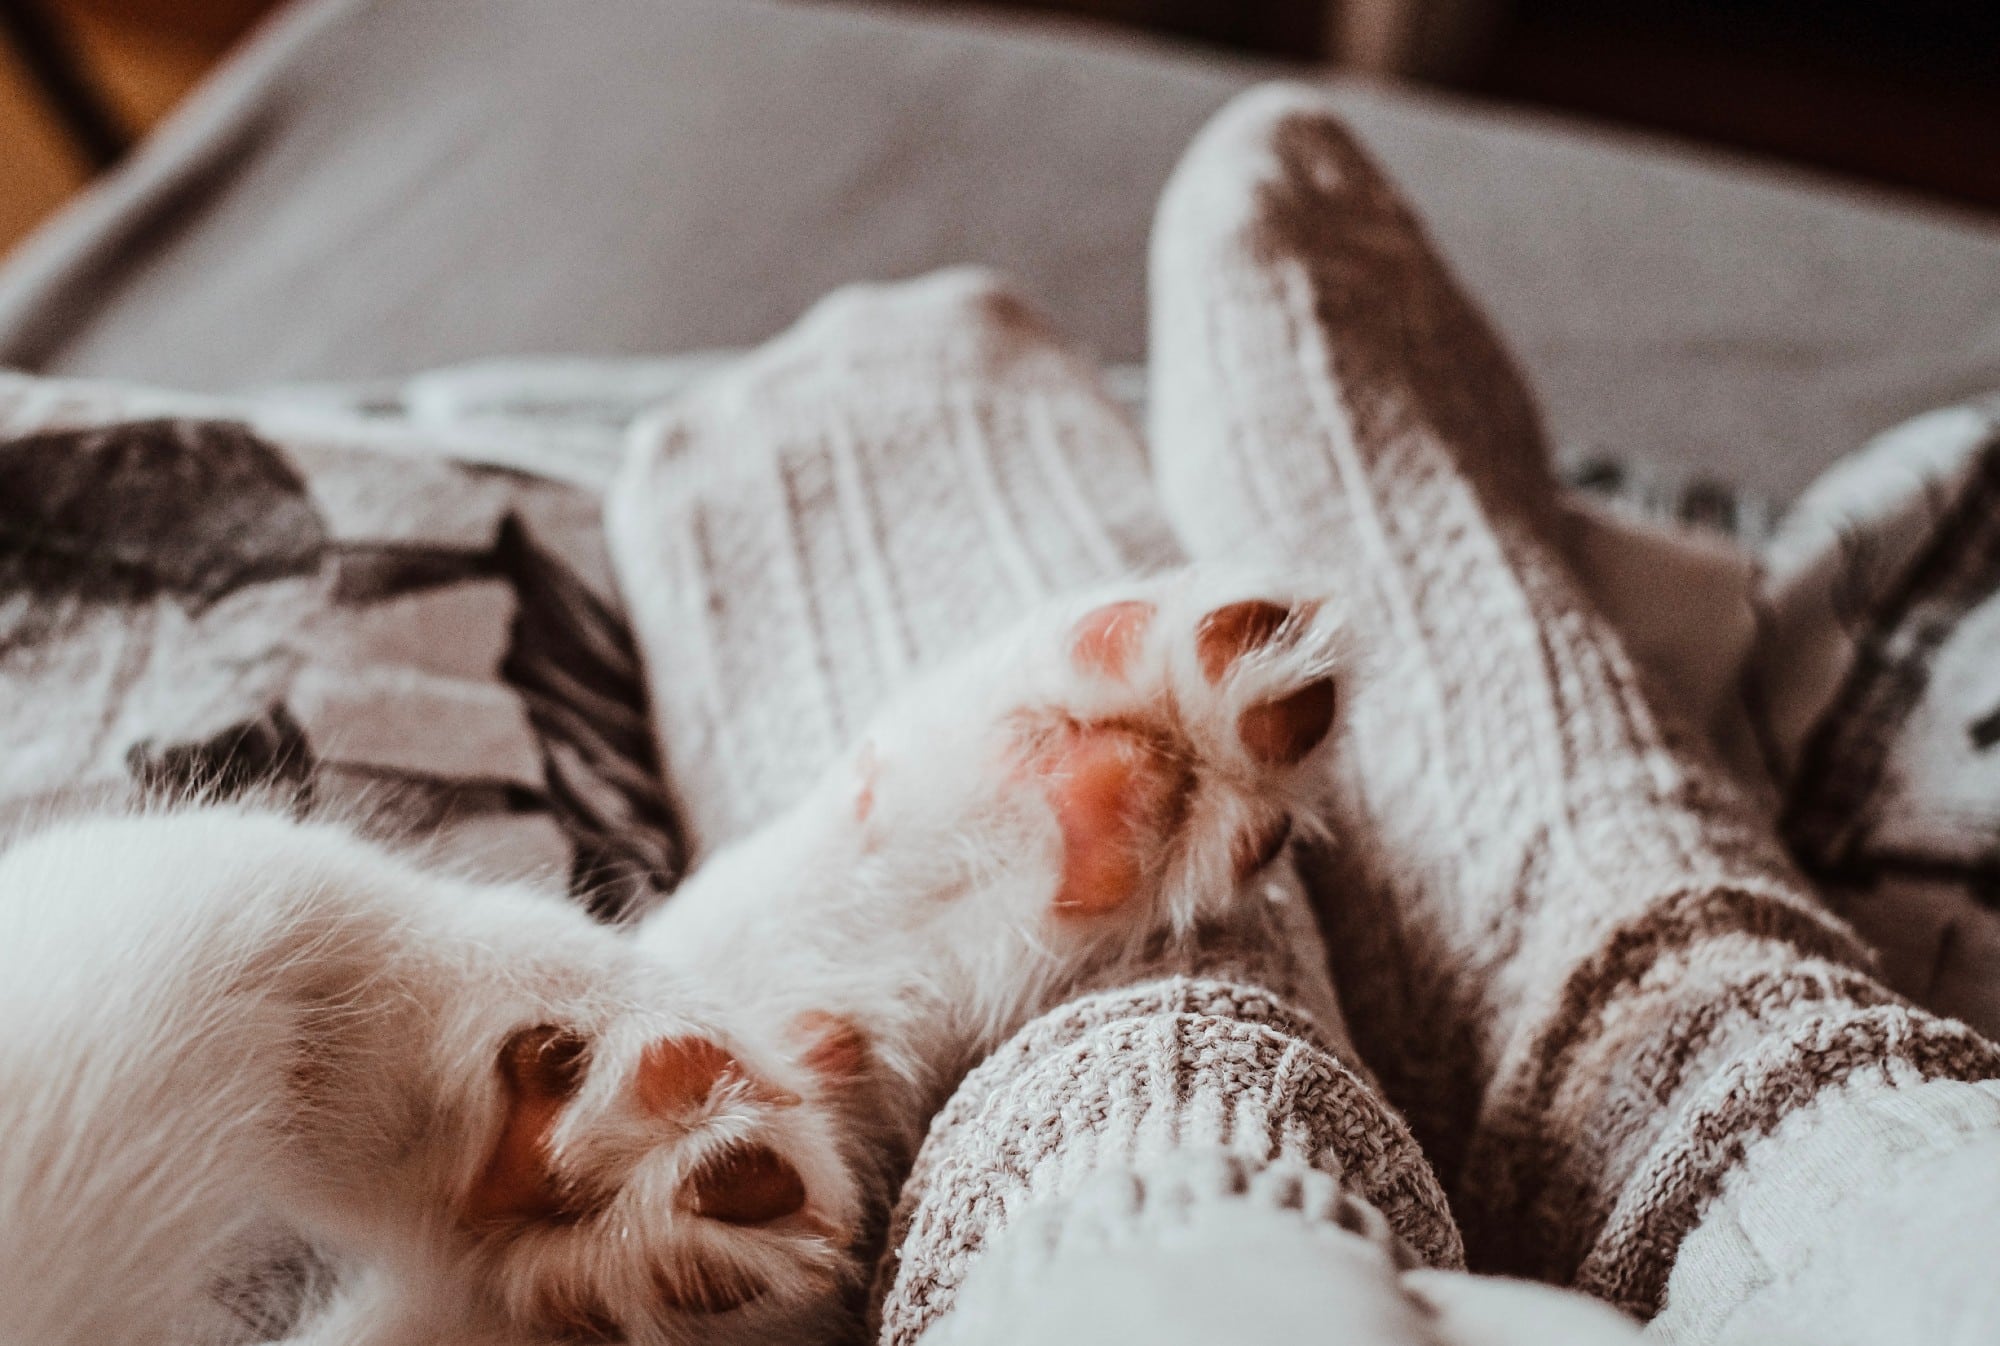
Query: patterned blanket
[
  {"x": 200, "y": 606},
  {"x": 1875, "y": 686}
]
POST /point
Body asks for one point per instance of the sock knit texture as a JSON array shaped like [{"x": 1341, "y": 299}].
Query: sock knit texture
[
  {"x": 1202, "y": 1247},
  {"x": 1866, "y": 1217},
  {"x": 1568, "y": 943},
  {"x": 1147, "y": 1081},
  {"x": 909, "y": 468},
  {"x": 1130, "y": 1254}
]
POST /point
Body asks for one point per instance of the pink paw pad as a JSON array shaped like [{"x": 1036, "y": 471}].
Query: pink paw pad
[
  {"x": 540, "y": 1069},
  {"x": 679, "y": 1074},
  {"x": 835, "y": 1049},
  {"x": 746, "y": 1184},
  {"x": 1228, "y": 633},
  {"x": 1282, "y": 730},
  {"x": 1116, "y": 795},
  {"x": 1105, "y": 639}
]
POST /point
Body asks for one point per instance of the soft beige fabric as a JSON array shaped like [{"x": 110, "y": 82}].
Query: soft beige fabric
[
  {"x": 1875, "y": 679},
  {"x": 380, "y": 186},
  {"x": 353, "y": 604},
  {"x": 1573, "y": 950}
]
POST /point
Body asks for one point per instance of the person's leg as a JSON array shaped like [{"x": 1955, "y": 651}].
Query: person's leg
[
  {"x": 910, "y": 467},
  {"x": 1571, "y": 947}
]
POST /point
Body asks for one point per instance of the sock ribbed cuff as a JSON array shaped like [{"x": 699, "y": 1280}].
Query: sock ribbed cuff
[{"x": 1136, "y": 1080}]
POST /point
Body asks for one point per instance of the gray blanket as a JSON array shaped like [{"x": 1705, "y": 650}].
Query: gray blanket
[{"x": 383, "y": 186}]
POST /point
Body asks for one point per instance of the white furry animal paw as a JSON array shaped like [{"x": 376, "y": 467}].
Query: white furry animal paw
[
  {"x": 1107, "y": 773},
  {"x": 519, "y": 1125},
  {"x": 1113, "y": 768},
  {"x": 1173, "y": 766},
  {"x": 1137, "y": 755},
  {"x": 503, "y": 1118},
  {"x": 642, "y": 1183}
]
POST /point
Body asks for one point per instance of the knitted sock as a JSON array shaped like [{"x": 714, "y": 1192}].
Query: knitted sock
[
  {"x": 1157, "y": 1082},
  {"x": 1192, "y": 1249},
  {"x": 909, "y": 467},
  {"x": 1570, "y": 946},
  {"x": 1869, "y": 1216}
]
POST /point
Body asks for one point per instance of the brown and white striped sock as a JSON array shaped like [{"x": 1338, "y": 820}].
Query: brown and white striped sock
[
  {"x": 1207, "y": 1093},
  {"x": 1570, "y": 946}
]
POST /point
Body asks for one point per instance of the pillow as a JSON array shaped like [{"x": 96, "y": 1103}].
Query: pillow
[{"x": 199, "y": 598}]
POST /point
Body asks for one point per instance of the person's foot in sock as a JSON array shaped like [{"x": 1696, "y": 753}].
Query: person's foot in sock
[
  {"x": 910, "y": 467},
  {"x": 1571, "y": 947}
]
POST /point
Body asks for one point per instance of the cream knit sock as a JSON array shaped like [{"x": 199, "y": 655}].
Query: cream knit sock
[
  {"x": 1167, "y": 1083},
  {"x": 1869, "y": 1217},
  {"x": 1572, "y": 949},
  {"x": 1202, "y": 1249},
  {"x": 909, "y": 467}
]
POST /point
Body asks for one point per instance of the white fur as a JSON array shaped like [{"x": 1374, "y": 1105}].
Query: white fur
[{"x": 216, "y": 1015}]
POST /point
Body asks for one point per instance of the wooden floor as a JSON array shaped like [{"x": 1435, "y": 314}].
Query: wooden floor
[
  {"x": 144, "y": 55},
  {"x": 36, "y": 163}
]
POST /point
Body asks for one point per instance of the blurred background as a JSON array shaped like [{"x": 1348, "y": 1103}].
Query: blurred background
[{"x": 1900, "y": 93}]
